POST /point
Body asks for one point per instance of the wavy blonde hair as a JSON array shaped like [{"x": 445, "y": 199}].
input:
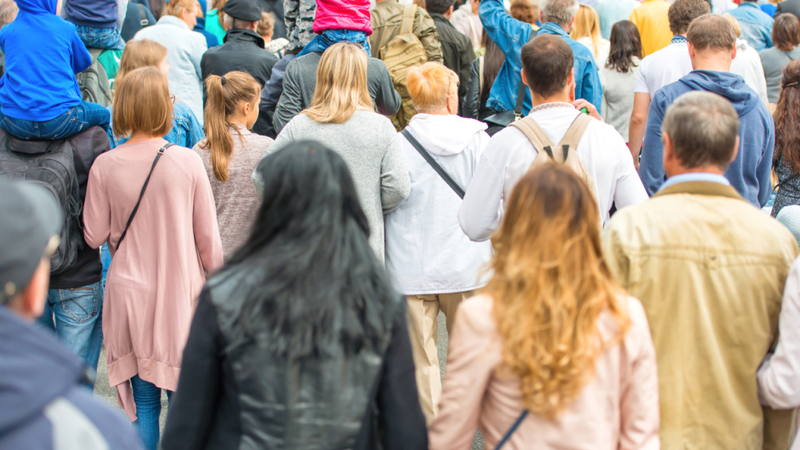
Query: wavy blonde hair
[
  {"x": 550, "y": 284},
  {"x": 341, "y": 84},
  {"x": 587, "y": 24}
]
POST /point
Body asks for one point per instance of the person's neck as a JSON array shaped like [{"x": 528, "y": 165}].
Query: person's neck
[
  {"x": 713, "y": 63},
  {"x": 559, "y": 98},
  {"x": 713, "y": 170},
  {"x": 239, "y": 120},
  {"x": 140, "y": 136}
]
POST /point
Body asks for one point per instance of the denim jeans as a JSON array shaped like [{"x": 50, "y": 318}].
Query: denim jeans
[
  {"x": 102, "y": 38},
  {"x": 105, "y": 259},
  {"x": 148, "y": 410},
  {"x": 75, "y": 316},
  {"x": 72, "y": 122}
]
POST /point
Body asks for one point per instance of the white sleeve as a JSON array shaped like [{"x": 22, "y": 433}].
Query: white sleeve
[
  {"x": 481, "y": 209},
  {"x": 629, "y": 189},
  {"x": 641, "y": 78},
  {"x": 779, "y": 375}
]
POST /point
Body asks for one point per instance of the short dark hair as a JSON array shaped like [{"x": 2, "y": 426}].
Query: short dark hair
[
  {"x": 682, "y": 12},
  {"x": 711, "y": 32},
  {"x": 703, "y": 127},
  {"x": 547, "y": 61},
  {"x": 786, "y": 32},
  {"x": 438, "y": 6}
]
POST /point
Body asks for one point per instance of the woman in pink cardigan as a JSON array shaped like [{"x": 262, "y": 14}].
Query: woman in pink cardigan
[
  {"x": 161, "y": 261},
  {"x": 552, "y": 354}
]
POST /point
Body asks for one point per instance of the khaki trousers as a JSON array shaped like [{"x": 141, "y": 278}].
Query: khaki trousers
[{"x": 423, "y": 329}]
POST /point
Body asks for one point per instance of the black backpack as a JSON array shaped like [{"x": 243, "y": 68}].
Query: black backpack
[{"x": 50, "y": 164}]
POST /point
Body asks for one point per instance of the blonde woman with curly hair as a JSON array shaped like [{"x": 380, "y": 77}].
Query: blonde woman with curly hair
[{"x": 552, "y": 344}]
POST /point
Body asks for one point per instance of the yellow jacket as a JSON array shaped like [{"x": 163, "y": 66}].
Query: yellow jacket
[
  {"x": 651, "y": 19},
  {"x": 709, "y": 269}
]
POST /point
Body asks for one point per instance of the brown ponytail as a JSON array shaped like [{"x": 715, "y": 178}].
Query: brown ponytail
[{"x": 225, "y": 94}]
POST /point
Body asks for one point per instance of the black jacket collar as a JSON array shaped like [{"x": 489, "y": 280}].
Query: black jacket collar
[{"x": 240, "y": 35}]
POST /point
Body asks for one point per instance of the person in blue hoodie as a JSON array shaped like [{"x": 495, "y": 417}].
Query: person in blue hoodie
[
  {"x": 39, "y": 94},
  {"x": 43, "y": 404},
  {"x": 511, "y": 34},
  {"x": 712, "y": 46}
]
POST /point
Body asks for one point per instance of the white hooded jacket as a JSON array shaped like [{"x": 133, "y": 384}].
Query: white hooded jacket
[{"x": 426, "y": 250}]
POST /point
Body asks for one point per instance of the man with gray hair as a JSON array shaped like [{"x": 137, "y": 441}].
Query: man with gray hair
[
  {"x": 511, "y": 34},
  {"x": 709, "y": 270},
  {"x": 712, "y": 47}
]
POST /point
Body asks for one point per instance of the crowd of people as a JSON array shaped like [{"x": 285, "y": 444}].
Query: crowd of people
[{"x": 259, "y": 208}]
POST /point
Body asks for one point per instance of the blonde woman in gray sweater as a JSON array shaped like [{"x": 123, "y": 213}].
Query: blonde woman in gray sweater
[
  {"x": 230, "y": 153},
  {"x": 341, "y": 117}
]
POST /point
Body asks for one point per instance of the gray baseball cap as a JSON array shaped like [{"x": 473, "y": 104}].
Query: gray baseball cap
[{"x": 30, "y": 222}]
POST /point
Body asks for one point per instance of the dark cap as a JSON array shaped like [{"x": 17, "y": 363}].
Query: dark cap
[
  {"x": 243, "y": 10},
  {"x": 30, "y": 221}
]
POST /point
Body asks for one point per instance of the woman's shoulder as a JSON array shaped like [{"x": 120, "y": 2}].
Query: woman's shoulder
[{"x": 373, "y": 122}]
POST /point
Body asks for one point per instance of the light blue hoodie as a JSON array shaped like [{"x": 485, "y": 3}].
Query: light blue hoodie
[
  {"x": 750, "y": 171},
  {"x": 43, "y": 55}
]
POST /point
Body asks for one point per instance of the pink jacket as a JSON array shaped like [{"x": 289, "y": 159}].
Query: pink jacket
[
  {"x": 342, "y": 15},
  {"x": 617, "y": 410}
]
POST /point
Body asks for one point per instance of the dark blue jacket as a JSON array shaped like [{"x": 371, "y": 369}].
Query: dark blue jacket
[
  {"x": 510, "y": 35},
  {"x": 43, "y": 54},
  {"x": 750, "y": 171},
  {"x": 43, "y": 404},
  {"x": 92, "y": 13}
]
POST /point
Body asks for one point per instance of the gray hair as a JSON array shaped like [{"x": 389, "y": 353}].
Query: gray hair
[
  {"x": 703, "y": 128},
  {"x": 8, "y": 12},
  {"x": 232, "y": 23},
  {"x": 560, "y": 11}
]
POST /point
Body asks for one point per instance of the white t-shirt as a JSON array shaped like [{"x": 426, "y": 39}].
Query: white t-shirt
[
  {"x": 509, "y": 156},
  {"x": 747, "y": 65},
  {"x": 663, "y": 67}
]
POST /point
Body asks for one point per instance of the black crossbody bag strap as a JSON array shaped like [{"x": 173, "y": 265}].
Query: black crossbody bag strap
[
  {"x": 450, "y": 182},
  {"x": 512, "y": 430},
  {"x": 520, "y": 100},
  {"x": 141, "y": 194}
]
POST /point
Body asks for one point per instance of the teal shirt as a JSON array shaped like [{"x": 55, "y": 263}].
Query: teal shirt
[{"x": 213, "y": 26}]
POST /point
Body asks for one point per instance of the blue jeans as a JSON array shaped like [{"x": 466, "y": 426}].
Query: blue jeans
[
  {"x": 72, "y": 122},
  {"x": 75, "y": 316},
  {"x": 102, "y": 38},
  {"x": 148, "y": 410},
  {"x": 105, "y": 259}
]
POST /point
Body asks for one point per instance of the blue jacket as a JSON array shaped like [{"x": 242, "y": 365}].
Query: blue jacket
[
  {"x": 43, "y": 404},
  {"x": 756, "y": 25},
  {"x": 510, "y": 35},
  {"x": 43, "y": 54},
  {"x": 750, "y": 171}
]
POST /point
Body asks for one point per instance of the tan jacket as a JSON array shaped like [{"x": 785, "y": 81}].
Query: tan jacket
[
  {"x": 387, "y": 17},
  {"x": 617, "y": 410},
  {"x": 709, "y": 269}
]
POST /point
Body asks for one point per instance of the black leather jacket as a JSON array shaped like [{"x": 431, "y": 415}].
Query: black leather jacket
[{"x": 474, "y": 104}]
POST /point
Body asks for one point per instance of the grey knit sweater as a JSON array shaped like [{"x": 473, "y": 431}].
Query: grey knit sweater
[{"x": 371, "y": 147}]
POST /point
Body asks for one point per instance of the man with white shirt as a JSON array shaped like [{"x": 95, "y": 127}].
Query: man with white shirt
[
  {"x": 547, "y": 70},
  {"x": 663, "y": 67}
]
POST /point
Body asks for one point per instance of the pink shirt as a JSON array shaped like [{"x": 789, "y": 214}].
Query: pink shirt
[
  {"x": 618, "y": 409},
  {"x": 342, "y": 14},
  {"x": 155, "y": 277}
]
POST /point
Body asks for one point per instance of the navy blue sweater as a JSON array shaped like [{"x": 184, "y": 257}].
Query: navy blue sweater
[
  {"x": 750, "y": 171},
  {"x": 92, "y": 13},
  {"x": 43, "y": 54}
]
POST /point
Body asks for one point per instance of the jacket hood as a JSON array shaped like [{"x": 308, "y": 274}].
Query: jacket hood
[
  {"x": 726, "y": 84},
  {"x": 34, "y": 370},
  {"x": 741, "y": 45},
  {"x": 444, "y": 135},
  {"x": 38, "y": 6}
]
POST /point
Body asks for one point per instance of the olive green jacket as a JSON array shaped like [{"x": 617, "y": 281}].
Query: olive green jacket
[
  {"x": 709, "y": 269},
  {"x": 387, "y": 17}
]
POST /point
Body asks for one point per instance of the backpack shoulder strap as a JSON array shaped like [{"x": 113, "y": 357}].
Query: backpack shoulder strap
[
  {"x": 574, "y": 133},
  {"x": 536, "y": 135},
  {"x": 95, "y": 53},
  {"x": 407, "y": 26},
  {"x": 143, "y": 20}
]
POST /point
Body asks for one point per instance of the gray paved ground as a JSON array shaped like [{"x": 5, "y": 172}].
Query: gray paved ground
[{"x": 105, "y": 392}]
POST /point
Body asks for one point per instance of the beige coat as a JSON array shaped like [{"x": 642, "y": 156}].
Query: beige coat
[
  {"x": 709, "y": 269},
  {"x": 617, "y": 410}
]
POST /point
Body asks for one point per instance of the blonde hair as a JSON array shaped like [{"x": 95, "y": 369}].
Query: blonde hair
[
  {"x": 175, "y": 7},
  {"x": 341, "y": 84},
  {"x": 140, "y": 53},
  {"x": 142, "y": 103},
  {"x": 587, "y": 24},
  {"x": 550, "y": 285},
  {"x": 266, "y": 25},
  {"x": 223, "y": 101},
  {"x": 430, "y": 85}
]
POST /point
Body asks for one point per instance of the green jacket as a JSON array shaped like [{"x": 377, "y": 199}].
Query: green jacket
[
  {"x": 709, "y": 269},
  {"x": 387, "y": 17}
]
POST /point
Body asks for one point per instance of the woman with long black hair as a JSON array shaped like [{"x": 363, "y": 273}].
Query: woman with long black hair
[{"x": 299, "y": 342}]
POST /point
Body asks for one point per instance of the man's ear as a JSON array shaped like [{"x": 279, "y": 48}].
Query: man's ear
[
  {"x": 735, "y": 150},
  {"x": 524, "y": 78}
]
